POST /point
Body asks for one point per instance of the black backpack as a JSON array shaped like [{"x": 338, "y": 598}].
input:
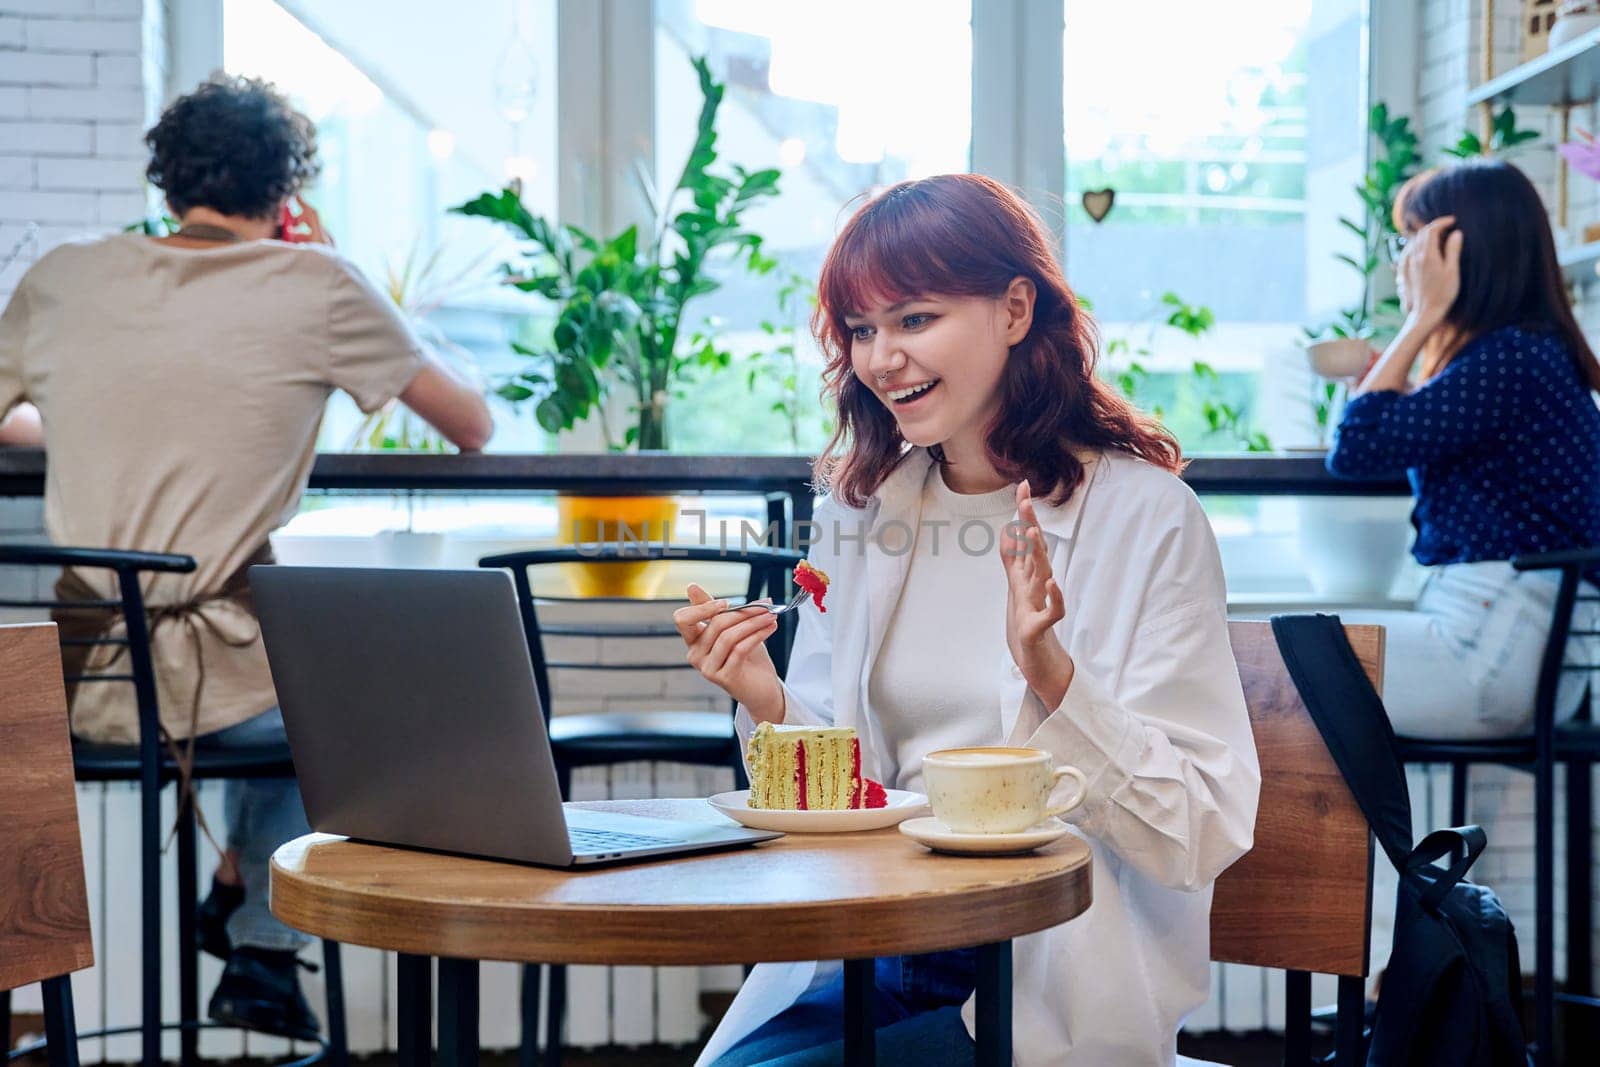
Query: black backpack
[{"x": 1452, "y": 993}]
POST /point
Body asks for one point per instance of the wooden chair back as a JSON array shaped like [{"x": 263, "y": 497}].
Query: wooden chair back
[
  {"x": 1301, "y": 898},
  {"x": 44, "y": 906}
]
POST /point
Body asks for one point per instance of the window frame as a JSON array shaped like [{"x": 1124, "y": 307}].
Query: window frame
[{"x": 605, "y": 123}]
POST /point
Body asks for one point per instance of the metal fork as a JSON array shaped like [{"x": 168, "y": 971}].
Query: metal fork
[{"x": 772, "y": 609}]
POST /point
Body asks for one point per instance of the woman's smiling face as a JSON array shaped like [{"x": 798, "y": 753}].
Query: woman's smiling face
[{"x": 935, "y": 361}]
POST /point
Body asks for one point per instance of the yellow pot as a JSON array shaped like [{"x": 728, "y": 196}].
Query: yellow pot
[{"x": 616, "y": 520}]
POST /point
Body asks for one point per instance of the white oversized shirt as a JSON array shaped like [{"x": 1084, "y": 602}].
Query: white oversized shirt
[{"x": 1155, "y": 718}]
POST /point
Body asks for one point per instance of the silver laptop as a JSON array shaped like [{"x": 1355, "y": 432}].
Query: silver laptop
[{"x": 414, "y": 720}]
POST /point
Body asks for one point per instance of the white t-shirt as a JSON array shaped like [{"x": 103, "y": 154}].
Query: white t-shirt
[{"x": 933, "y": 685}]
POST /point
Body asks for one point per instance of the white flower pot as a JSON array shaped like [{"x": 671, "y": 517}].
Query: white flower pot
[
  {"x": 1353, "y": 547},
  {"x": 1340, "y": 358}
]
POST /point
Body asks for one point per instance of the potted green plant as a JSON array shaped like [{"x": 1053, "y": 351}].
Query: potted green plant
[
  {"x": 419, "y": 286},
  {"x": 1340, "y": 349},
  {"x": 1219, "y": 418},
  {"x": 622, "y": 329}
]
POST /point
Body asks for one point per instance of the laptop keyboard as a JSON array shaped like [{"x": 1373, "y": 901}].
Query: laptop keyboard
[{"x": 586, "y": 841}]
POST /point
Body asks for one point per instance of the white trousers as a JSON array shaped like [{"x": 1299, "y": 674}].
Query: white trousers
[{"x": 1464, "y": 663}]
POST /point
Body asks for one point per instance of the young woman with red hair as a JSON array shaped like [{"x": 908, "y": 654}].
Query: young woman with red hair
[{"x": 1014, "y": 561}]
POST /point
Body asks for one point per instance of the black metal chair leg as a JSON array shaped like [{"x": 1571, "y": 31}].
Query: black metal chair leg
[
  {"x": 528, "y": 1051},
  {"x": 150, "y": 919},
  {"x": 860, "y": 1014},
  {"x": 1544, "y": 848},
  {"x": 188, "y": 953},
  {"x": 1297, "y": 1018},
  {"x": 5, "y": 1017},
  {"x": 1349, "y": 1048},
  {"x": 338, "y": 1035},
  {"x": 557, "y": 1018},
  {"x": 415, "y": 996},
  {"x": 1580, "y": 868},
  {"x": 60, "y": 1028},
  {"x": 994, "y": 1005},
  {"x": 458, "y": 1013},
  {"x": 1582, "y": 1030}
]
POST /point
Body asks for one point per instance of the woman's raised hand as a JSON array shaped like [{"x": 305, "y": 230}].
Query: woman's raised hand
[
  {"x": 1432, "y": 270},
  {"x": 1034, "y": 605},
  {"x": 730, "y": 651}
]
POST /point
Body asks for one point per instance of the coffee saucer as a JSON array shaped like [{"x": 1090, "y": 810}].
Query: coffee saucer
[{"x": 939, "y": 837}]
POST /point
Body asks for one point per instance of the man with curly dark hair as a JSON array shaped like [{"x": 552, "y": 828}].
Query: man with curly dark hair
[
  {"x": 179, "y": 383},
  {"x": 233, "y": 147}
]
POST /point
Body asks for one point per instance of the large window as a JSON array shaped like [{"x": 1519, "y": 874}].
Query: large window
[
  {"x": 416, "y": 113},
  {"x": 1230, "y": 135},
  {"x": 845, "y": 98}
]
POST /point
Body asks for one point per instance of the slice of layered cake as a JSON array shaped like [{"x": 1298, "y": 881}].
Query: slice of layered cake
[{"x": 809, "y": 768}]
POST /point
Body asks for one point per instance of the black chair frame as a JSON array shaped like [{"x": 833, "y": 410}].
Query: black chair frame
[
  {"x": 1575, "y": 744},
  {"x": 147, "y": 764}
]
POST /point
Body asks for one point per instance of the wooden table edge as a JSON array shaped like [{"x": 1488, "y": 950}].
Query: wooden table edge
[{"x": 676, "y": 934}]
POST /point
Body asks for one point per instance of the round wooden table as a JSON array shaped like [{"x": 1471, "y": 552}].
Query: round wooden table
[{"x": 851, "y": 897}]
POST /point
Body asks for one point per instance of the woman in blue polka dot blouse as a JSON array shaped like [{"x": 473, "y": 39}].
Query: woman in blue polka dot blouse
[{"x": 1500, "y": 436}]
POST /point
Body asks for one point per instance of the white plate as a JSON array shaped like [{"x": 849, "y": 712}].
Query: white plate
[
  {"x": 939, "y": 837},
  {"x": 902, "y": 805}
]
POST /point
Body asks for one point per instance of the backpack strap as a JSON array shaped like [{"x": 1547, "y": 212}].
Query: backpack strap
[
  {"x": 1350, "y": 716},
  {"x": 1470, "y": 841}
]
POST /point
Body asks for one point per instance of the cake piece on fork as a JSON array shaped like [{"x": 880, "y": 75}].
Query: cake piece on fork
[{"x": 812, "y": 580}]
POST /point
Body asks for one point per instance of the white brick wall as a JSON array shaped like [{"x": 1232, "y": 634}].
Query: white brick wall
[
  {"x": 1449, "y": 60},
  {"x": 80, "y": 80}
]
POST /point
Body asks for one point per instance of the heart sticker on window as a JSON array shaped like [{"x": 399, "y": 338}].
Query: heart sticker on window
[{"x": 1097, "y": 202}]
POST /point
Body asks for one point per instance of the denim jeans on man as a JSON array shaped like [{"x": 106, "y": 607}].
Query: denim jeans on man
[
  {"x": 919, "y": 1018},
  {"x": 262, "y": 813}
]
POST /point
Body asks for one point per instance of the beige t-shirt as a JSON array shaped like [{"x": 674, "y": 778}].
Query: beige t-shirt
[{"x": 181, "y": 390}]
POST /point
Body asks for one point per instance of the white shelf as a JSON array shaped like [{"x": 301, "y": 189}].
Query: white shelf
[
  {"x": 1568, "y": 75},
  {"x": 1578, "y": 264}
]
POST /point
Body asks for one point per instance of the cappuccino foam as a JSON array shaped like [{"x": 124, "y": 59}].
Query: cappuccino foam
[{"x": 985, "y": 759}]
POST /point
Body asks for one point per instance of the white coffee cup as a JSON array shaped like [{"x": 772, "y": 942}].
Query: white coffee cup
[{"x": 995, "y": 790}]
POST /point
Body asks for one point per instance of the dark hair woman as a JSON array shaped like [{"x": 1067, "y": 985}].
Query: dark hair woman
[
  {"x": 181, "y": 381},
  {"x": 963, "y": 610},
  {"x": 1499, "y": 433}
]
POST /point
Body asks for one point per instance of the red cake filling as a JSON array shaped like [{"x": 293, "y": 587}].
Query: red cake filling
[
  {"x": 800, "y": 775},
  {"x": 869, "y": 794},
  {"x": 812, "y": 581}
]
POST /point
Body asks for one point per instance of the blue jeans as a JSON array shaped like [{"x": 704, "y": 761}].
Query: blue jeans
[
  {"x": 262, "y": 814},
  {"x": 919, "y": 1018}
]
